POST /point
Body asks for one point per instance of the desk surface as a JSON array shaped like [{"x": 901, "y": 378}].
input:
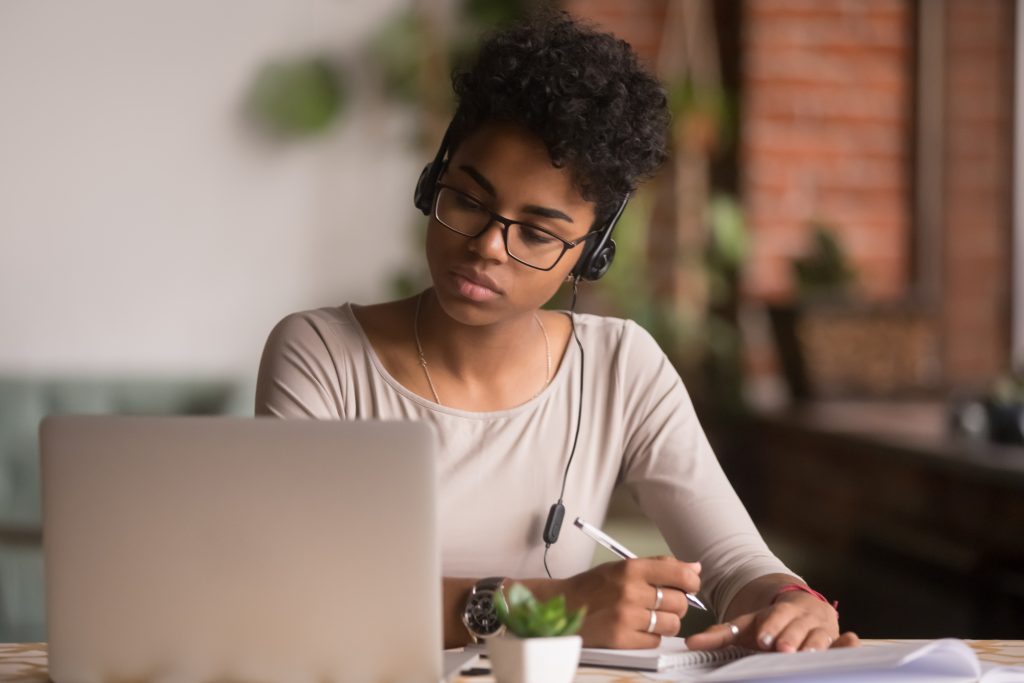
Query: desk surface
[{"x": 26, "y": 662}]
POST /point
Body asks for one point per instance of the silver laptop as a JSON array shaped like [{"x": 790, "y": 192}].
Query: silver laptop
[{"x": 231, "y": 549}]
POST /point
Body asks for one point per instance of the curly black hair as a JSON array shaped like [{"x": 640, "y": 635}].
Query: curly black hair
[{"x": 581, "y": 91}]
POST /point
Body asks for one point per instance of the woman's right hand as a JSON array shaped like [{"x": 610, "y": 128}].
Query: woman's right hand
[{"x": 620, "y": 597}]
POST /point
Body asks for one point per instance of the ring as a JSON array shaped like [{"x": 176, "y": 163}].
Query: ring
[
  {"x": 654, "y": 622},
  {"x": 733, "y": 628},
  {"x": 659, "y": 598}
]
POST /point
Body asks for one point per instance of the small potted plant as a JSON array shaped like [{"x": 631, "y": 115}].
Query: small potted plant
[{"x": 540, "y": 644}]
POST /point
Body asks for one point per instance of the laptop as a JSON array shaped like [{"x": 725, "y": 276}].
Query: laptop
[{"x": 202, "y": 549}]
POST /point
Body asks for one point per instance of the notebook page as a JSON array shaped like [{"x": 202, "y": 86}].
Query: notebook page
[
  {"x": 672, "y": 653},
  {"x": 940, "y": 660},
  {"x": 637, "y": 659}
]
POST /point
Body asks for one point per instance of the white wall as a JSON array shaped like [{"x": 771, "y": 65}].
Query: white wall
[{"x": 144, "y": 228}]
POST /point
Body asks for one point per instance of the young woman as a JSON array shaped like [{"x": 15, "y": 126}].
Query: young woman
[{"x": 556, "y": 124}]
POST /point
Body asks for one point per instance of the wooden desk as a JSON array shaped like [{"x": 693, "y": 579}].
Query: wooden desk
[{"x": 26, "y": 662}]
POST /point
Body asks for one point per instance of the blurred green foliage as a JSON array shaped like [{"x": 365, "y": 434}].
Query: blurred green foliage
[
  {"x": 400, "y": 50},
  {"x": 297, "y": 98},
  {"x": 703, "y": 343},
  {"x": 713, "y": 108},
  {"x": 526, "y": 617},
  {"x": 825, "y": 272},
  {"x": 397, "y": 51}
]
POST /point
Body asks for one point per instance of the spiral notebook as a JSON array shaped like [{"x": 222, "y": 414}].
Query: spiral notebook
[{"x": 671, "y": 654}]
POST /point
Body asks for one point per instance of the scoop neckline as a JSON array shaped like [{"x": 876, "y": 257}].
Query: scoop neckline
[{"x": 558, "y": 379}]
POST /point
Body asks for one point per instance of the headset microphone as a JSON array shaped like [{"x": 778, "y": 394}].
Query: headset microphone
[
  {"x": 557, "y": 513},
  {"x": 554, "y": 524}
]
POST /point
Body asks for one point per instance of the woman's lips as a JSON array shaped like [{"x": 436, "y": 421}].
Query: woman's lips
[{"x": 473, "y": 290}]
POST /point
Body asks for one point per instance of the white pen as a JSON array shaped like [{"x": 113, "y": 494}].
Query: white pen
[{"x": 623, "y": 552}]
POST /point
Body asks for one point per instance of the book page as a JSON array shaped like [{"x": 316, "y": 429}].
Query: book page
[
  {"x": 941, "y": 660},
  {"x": 1001, "y": 673}
]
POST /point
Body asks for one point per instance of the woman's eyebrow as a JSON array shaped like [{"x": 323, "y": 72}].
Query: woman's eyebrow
[
  {"x": 480, "y": 179},
  {"x": 543, "y": 211}
]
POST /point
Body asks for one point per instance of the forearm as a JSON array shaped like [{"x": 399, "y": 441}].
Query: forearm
[
  {"x": 762, "y": 617},
  {"x": 758, "y": 594},
  {"x": 455, "y": 591}
]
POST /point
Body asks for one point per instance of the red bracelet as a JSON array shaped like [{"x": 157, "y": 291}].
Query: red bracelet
[{"x": 800, "y": 587}]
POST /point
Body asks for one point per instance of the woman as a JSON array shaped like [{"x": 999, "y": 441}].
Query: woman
[{"x": 556, "y": 125}]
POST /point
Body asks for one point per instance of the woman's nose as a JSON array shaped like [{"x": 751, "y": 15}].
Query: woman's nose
[{"x": 490, "y": 244}]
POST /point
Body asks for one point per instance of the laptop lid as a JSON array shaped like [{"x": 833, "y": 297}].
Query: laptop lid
[{"x": 198, "y": 548}]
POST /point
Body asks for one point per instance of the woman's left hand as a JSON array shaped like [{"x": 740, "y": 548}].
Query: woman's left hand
[{"x": 795, "y": 621}]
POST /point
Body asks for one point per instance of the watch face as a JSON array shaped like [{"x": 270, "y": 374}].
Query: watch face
[{"x": 480, "y": 614}]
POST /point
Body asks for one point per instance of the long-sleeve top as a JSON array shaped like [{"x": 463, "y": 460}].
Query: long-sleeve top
[{"x": 501, "y": 471}]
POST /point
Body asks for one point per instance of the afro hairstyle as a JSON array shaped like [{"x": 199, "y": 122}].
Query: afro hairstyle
[{"x": 583, "y": 92}]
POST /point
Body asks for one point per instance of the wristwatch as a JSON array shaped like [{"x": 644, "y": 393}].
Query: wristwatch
[{"x": 480, "y": 616}]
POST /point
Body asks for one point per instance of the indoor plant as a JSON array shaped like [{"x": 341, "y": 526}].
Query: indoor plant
[{"x": 540, "y": 642}]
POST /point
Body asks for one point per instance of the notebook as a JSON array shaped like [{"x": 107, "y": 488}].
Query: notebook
[
  {"x": 936, "y": 661},
  {"x": 671, "y": 654}
]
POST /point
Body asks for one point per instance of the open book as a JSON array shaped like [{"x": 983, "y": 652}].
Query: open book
[{"x": 938, "y": 661}]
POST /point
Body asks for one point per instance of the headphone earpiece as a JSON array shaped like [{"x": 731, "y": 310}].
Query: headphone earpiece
[
  {"x": 598, "y": 256},
  {"x": 426, "y": 186},
  {"x": 601, "y": 262},
  {"x": 423, "y": 197}
]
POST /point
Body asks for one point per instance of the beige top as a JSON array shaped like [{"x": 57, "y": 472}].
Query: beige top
[{"x": 501, "y": 471}]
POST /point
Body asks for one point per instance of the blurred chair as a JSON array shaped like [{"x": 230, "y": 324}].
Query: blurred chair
[{"x": 24, "y": 402}]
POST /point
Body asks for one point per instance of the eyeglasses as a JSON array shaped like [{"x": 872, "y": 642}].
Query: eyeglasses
[{"x": 531, "y": 245}]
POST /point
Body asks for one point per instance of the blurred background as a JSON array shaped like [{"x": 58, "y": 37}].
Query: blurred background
[{"x": 832, "y": 257}]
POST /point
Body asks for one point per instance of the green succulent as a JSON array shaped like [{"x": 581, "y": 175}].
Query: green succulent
[{"x": 527, "y": 617}]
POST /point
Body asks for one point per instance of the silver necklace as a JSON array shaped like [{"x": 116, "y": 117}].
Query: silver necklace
[{"x": 423, "y": 359}]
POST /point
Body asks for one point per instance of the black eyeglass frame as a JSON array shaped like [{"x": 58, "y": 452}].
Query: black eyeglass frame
[{"x": 506, "y": 224}]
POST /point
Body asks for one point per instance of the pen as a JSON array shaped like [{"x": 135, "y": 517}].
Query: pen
[{"x": 623, "y": 552}]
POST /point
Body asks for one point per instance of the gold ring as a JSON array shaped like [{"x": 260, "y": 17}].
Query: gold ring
[
  {"x": 659, "y": 597},
  {"x": 653, "y": 623}
]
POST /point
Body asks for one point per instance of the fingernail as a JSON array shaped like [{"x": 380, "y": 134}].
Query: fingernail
[
  {"x": 786, "y": 647},
  {"x": 812, "y": 649},
  {"x": 767, "y": 639}
]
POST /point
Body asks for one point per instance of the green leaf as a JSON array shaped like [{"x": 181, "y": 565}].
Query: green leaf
[
  {"x": 557, "y": 604},
  {"x": 574, "y": 623},
  {"x": 526, "y": 617},
  {"x": 500, "y": 607},
  {"x": 518, "y": 626},
  {"x": 519, "y": 596}
]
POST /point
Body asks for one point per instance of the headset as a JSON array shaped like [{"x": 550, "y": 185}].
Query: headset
[
  {"x": 595, "y": 261},
  {"x": 598, "y": 253}
]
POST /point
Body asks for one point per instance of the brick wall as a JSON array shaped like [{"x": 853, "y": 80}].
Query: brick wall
[
  {"x": 638, "y": 22},
  {"x": 827, "y": 132},
  {"x": 825, "y": 129},
  {"x": 978, "y": 190}
]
